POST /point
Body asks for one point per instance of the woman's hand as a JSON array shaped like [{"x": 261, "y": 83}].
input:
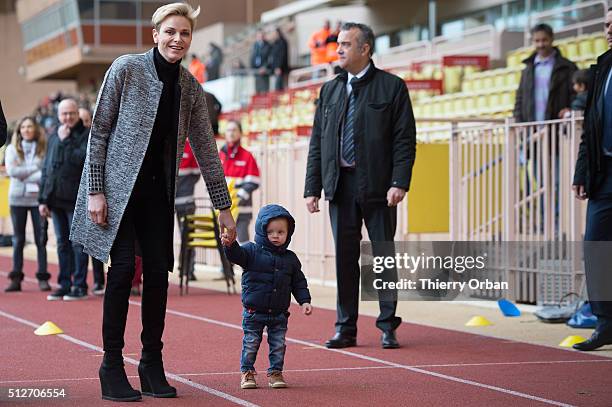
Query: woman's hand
[
  {"x": 98, "y": 211},
  {"x": 227, "y": 227}
]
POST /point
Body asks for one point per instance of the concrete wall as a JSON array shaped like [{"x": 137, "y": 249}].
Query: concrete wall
[{"x": 18, "y": 96}]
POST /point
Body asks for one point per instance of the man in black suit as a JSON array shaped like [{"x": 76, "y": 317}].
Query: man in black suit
[
  {"x": 361, "y": 154},
  {"x": 593, "y": 180}
]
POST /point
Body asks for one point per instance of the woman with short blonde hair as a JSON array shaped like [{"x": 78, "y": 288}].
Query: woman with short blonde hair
[{"x": 147, "y": 105}]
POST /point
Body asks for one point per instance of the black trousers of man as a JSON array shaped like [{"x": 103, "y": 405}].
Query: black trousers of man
[
  {"x": 599, "y": 228},
  {"x": 347, "y": 216},
  {"x": 148, "y": 220}
]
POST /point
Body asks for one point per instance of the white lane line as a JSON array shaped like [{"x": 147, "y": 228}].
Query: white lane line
[
  {"x": 330, "y": 369},
  {"x": 135, "y": 362},
  {"x": 376, "y": 360}
]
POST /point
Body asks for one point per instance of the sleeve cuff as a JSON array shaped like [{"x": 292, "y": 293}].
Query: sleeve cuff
[
  {"x": 219, "y": 195},
  {"x": 96, "y": 178}
]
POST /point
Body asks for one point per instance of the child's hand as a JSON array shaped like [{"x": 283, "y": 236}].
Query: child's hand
[
  {"x": 306, "y": 308},
  {"x": 225, "y": 240}
]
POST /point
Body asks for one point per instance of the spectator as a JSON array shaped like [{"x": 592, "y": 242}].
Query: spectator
[
  {"x": 214, "y": 110},
  {"x": 364, "y": 177},
  {"x": 580, "y": 80},
  {"x": 189, "y": 175},
  {"x": 546, "y": 82},
  {"x": 215, "y": 59},
  {"x": 59, "y": 185},
  {"x": 85, "y": 116},
  {"x": 24, "y": 158},
  {"x": 197, "y": 69},
  {"x": 238, "y": 67},
  {"x": 279, "y": 59},
  {"x": 318, "y": 46},
  {"x": 240, "y": 166},
  {"x": 3, "y": 128},
  {"x": 260, "y": 62},
  {"x": 593, "y": 181}
]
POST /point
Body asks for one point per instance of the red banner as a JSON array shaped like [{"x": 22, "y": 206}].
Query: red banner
[
  {"x": 424, "y": 84},
  {"x": 481, "y": 61}
]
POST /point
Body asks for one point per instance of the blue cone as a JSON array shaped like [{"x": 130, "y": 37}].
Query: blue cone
[{"x": 508, "y": 308}]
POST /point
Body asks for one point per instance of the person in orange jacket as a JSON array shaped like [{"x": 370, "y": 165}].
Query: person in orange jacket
[
  {"x": 197, "y": 68},
  {"x": 331, "y": 44},
  {"x": 318, "y": 45}
]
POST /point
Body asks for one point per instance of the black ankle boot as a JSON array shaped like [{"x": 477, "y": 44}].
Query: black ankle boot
[
  {"x": 153, "y": 379},
  {"x": 14, "y": 286},
  {"x": 114, "y": 382}
]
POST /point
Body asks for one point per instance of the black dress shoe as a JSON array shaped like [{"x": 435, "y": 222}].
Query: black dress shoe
[
  {"x": 340, "y": 340},
  {"x": 389, "y": 341},
  {"x": 597, "y": 340},
  {"x": 115, "y": 385},
  {"x": 153, "y": 381}
]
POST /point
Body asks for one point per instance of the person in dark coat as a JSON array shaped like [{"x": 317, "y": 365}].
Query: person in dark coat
[
  {"x": 279, "y": 59},
  {"x": 546, "y": 88},
  {"x": 215, "y": 59},
  {"x": 59, "y": 185},
  {"x": 593, "y": 180},
  {"x": 260, "y": 62},
  {"x": 362, "y": 149},
  {"x": 3, "y": 128},
  {"x": 271, "y": 274}
]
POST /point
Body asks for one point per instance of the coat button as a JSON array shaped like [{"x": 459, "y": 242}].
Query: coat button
[
  {"x": 269, "y": 310},
  {"x": 274, "y": 290}
]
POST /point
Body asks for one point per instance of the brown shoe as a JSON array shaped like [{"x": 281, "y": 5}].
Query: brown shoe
[
  {"x": 247, "y": 380},
  {"x": 276, "y": 380}
]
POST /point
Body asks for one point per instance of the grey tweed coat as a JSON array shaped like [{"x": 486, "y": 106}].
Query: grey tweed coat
[{"x": 120, "y": 132}]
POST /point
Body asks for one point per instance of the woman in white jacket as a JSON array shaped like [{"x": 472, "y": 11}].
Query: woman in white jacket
[{"x": 24, "y": 158}]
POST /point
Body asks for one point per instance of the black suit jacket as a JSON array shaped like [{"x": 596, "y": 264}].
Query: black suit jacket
[
  {"x": 589, "y": 171},
  {"x": 384, "y": 133}
]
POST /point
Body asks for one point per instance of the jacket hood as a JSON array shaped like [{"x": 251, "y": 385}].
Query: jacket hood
[{"x": 266, "y": 214}]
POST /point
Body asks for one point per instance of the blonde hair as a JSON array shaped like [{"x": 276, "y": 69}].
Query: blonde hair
[
  {"x": 41, "y": 140},
  {"x": 175, "y": 9}
]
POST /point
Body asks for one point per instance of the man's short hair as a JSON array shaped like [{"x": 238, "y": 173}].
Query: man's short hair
[
  {"x": 366, "y": 35},
  {"x": 542, "y": 27},
  {"x": 581, "y": 77}
]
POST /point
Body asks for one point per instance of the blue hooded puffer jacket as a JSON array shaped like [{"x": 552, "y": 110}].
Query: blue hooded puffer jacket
[{"x": 270, "y": 274}]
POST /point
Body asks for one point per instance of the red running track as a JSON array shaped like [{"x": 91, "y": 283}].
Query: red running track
[{"x": 435, "y": 367}]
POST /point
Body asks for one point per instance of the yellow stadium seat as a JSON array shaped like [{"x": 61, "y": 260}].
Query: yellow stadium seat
[
  {"x": 470, "y": 105},
  {"x": 585, "y": 48},
  {"x": 600, "y": 45},
  {"x": 467, "y": 85},
  {"x": 571, "y": 51},
  {"x": 459, "y": 106},
  {"x": 487, "y": 82},
  {"x": 499, "y": 79}
]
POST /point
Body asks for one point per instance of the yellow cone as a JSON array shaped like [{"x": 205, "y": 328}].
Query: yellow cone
[
  {"x": 571, "y": 340},
  {"x": 478, "y": 321},
  {"x": 48, "y": 328}
]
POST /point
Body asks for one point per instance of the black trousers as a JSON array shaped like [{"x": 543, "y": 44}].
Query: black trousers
[
  {"x": 147, "y": 219},
  {"x": 599, "y": 228},
  {"x": 347, "y": 216}
]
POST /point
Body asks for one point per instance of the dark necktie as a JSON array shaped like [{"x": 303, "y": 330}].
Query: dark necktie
[
  {"x": 348, "y": 141},
  {"x": 607, "y": 119}
]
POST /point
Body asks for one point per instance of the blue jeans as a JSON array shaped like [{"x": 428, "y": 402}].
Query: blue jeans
[
  {"x": 253, "y": 325},
  {"x": 19, "y": 216},
  {"x": 72, "y": 260}
]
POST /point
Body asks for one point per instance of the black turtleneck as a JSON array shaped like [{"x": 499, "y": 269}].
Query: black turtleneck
[{"x": 160, "y": 158}]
